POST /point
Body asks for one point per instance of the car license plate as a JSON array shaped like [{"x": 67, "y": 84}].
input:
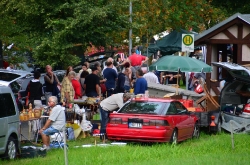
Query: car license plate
[{"x": 135, "y": 125}]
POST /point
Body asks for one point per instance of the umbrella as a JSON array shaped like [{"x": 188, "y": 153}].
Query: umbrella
[{"x": 180, "y": 63}]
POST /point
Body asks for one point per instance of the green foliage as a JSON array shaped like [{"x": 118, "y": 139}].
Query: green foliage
[
  {"x": 56, "y": 30},
  {"x": 231, "y": 7}
]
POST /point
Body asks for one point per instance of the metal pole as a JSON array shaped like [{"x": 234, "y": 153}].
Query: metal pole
[
  {"x": 1, "y": 54},
  {"x": 232, "y": 134},
  {"x": 130, "y": 30},
  {"x": 187, "y": 78},
  {"x": 65, "y": 146},
  {"x": 147, "y": 53}
]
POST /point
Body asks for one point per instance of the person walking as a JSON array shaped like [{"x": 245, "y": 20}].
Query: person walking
[{"x": 109, "y": 105}]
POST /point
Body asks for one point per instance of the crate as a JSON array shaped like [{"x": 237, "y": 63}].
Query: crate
[{"x": 187, "y": 103}]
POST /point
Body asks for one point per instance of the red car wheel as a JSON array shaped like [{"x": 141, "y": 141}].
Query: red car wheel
[{"x": 196, "y": 133}]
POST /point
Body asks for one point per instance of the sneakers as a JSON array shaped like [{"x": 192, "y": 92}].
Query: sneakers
[{"x": 46, "y": 147}]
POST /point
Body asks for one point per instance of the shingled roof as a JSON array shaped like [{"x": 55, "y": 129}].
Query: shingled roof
[{"x": 244, "y": 17}]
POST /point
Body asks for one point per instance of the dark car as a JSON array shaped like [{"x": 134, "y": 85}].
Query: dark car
[
  {"x": 153, "y": 120},
  {"x": 235, "y": 98}
]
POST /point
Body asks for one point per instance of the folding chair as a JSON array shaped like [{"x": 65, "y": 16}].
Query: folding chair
[{"x": 57, "y": 140}]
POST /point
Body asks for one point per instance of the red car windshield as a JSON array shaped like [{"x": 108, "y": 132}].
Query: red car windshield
[{"x": 144, "y": 107}]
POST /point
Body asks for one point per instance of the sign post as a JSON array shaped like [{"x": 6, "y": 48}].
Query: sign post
[{"x": 187, "y": 45}]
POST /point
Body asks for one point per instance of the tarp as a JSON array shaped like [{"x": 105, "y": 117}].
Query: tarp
[{"x": 169, "y": 44}]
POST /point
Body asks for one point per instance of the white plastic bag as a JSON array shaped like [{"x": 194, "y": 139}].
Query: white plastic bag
[
  {"x": 78, "y": 110},
  {"x": 86, "y": 125},
  {"x": 56, "y": 137},
  {"x": 76, "y": 107}
]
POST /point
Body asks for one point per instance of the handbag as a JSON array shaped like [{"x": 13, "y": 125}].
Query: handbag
[
  {"x": 103, "y": 88},
  {"x": 199, "y": 89}
]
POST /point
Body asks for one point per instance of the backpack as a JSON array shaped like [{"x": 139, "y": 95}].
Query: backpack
[{"x": 70, "y": 133}]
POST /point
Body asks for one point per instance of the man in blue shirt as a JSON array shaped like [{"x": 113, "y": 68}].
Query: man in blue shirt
[
  {"x": 141, "y": 84},
  {"x": 111, "y": 76}
]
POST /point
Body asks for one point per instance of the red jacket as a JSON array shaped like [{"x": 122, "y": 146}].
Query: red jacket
[{"x": 77, "y": 87}]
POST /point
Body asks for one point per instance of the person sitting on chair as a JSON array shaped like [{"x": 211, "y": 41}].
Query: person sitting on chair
[{"x": 55, "y": 122}]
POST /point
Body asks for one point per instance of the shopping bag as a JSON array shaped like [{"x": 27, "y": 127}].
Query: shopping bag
[{"x": 86, "y": 125}]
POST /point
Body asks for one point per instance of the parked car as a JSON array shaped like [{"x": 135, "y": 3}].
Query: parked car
[
  {"x": 235, "y": 98},
  {"x": 15, "y": 80},
  {"x": 9, "y": 121},
  {"x": 153, "y": 120}
]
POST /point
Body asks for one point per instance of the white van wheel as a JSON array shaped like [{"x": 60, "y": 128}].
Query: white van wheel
[{"x": 11, "y": 148}]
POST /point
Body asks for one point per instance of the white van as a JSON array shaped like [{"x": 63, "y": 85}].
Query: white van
[{"x": 9, "y": 122}]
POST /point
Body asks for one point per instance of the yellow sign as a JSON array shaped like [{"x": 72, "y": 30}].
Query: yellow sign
[{"x": 188, "y": 40}]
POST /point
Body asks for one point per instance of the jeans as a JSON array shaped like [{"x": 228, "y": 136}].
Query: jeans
[
  {"x": 104, "y": 121},
  {"x": 50, "y": 131},
  {"x": 127, "y": 88},
  {"x": 110, "y": 92}
]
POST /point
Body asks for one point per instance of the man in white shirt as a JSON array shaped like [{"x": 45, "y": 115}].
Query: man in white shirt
[
  {"x": 151, "y": 77},
  {"x": 54, "y": 124},
  {"x": 110, "y": 104}
]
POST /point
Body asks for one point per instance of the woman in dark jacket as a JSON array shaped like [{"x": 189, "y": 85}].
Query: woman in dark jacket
[{"x": 34, "y": 90}]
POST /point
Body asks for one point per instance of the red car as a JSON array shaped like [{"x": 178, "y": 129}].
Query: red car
[{"x": 153, "y": 120}]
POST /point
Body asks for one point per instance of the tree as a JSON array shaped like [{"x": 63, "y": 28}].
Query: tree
[
  {"x": 57, "y": 29},
  {"x": 231, "y": 7},
  {"x": 151, "y": 17},
  {"x": 10, "y": 34}
]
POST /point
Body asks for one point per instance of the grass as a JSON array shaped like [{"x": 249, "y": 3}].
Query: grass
[{"x": 209, "y": 149}]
